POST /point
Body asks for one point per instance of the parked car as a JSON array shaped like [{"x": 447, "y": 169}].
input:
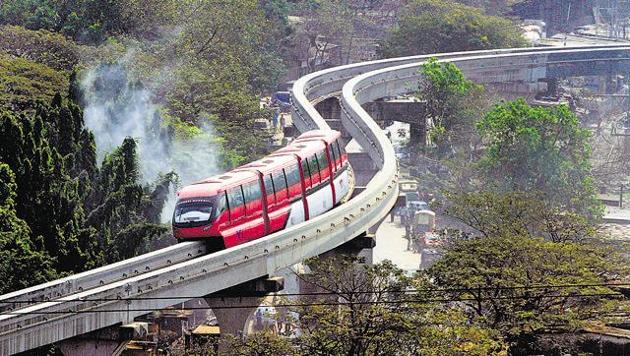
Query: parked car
[
  {"x": 412, "y": 201},
  {"x": 281, "y": 98}
]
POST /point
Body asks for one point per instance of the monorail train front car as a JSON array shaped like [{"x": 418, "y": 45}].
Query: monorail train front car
[{"x": 292, "y": 185}]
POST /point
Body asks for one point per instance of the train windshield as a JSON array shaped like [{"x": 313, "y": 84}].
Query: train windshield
[{"x": 192, "y": 213}]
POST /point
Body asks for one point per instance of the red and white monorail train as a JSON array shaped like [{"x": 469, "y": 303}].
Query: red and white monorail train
[{"x": 292, "y": 185}]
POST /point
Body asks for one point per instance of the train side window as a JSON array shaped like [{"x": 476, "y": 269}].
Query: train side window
[
  {"x": 221, "y": 205},
  {"x": 305, "y": 168},
  {"x": 235, "y": 196},
  {"x": 252, "y": 192},
  {"x": 293, "y": 175},
  {"x": 235, "y": 200},
  {"x": 279, "y": 181},
  {"x": 322, "y": 161},
  {"x": 269, "y": 188},
  {"x": 315, "y": 166},
  {"x": 334, "y": 156}
]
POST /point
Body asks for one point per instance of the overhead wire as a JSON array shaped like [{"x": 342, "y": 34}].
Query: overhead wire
[
  {"x": 401, "y": 291},
  {"x": 328, "y": 303}
]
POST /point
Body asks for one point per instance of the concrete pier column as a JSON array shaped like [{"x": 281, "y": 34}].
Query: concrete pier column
[
  {"x": 233, "y": 312},
  {"x": 233, "y": 306},
  {"x": 360, "y": 247}
]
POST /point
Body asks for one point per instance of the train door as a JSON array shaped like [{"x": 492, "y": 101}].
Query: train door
[
  {"x": 254, "y": 222},
  {"x": 306, "y": 172},
  {"x": 297, "y": 194},
  {"x": 327, "y": 163},
  {"x": 314, "y": 171},
  {"x": 269, "y": 191},
  {"x": 294, "y": 182},
  {"x": 322, "y": 161},
  {"x": 233, "y": 234},
  {"x": 221, "y": 214},
  {"x": 279, "y": 211},
  {"x": 334, "y": 157}
]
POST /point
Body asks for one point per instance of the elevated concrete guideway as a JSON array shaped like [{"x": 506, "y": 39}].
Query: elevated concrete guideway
[{"x": 86, "y": 306}]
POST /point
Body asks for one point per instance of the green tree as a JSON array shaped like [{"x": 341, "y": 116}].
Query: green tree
[
  {"x": 44, "y": 47},
  {"x": 91, "y": 20},
  {"x": 33, "y": 14},
  {"x": 48, "y": 199},
  {"x": 326, "y": 24},
  {"x": 123, "y": 211},
  {"x": 507, "y": 283},
  {"x": 453, "y": 104},
  {"x": 259, "y": 344},
  {"x": 516, "y": 213},
  {"x": 24, "y": 84},
  {"x": 21, "y": 265},
  {"x": 539, "y": 149},
  {"x": 432, "y": 26},
  {"x": 377, "y": 310},
  {"x": 78, "y": 216}
]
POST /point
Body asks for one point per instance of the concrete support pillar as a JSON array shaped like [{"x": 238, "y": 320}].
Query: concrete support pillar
[
  {"x": 610, "y": 86},
  {"x": 376, "y": 110},
  {"x": 552, "y": 87},
  {"x": 360, "y": 247},
  {"x": 233, "y": 306},
  {"x": 418, "y": 134},
  {"x": 233, "y": 312},
  {"x": 407, "y": 111}
]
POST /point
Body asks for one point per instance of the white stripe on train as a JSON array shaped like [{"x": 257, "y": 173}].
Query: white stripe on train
[{"x": 320, "y": 201}]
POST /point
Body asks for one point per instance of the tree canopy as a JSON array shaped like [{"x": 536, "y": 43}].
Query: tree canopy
[
  {"x": 453, "y": 104},
  {"x": 539, "y": 149},
  {"x": 25, "y": 84},
  {"x": 61, "y": 207},
  {"x": 524, "y": 285},
  {"x": 380, "y": 311},
  {"x": 432, "y": 26}
]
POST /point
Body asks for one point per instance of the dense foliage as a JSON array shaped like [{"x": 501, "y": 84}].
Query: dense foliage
[
  {"x": 453, "y": 104},
  {"x": 21, "y": 264},
  {"x": 492, "y": 213},
  {"x": 25, "y": 84},
  {"x": 92, "y": 20},
  {"x": 44, "y": 47},
  {"x": 381, "y": 311},
  {"x": 539, "y": 149},
  {"x": 63, "y": 209},
  {"x": 528, "y": 269},
  {"x": 500, "y": 279},
  {"x": 432, "y": 26}
]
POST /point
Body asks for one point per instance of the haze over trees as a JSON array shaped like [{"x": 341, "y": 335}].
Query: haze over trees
[{"x": 71, "y": 205}]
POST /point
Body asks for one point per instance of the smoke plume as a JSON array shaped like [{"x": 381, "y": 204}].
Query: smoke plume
[{"x": 117, "y": 107}]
